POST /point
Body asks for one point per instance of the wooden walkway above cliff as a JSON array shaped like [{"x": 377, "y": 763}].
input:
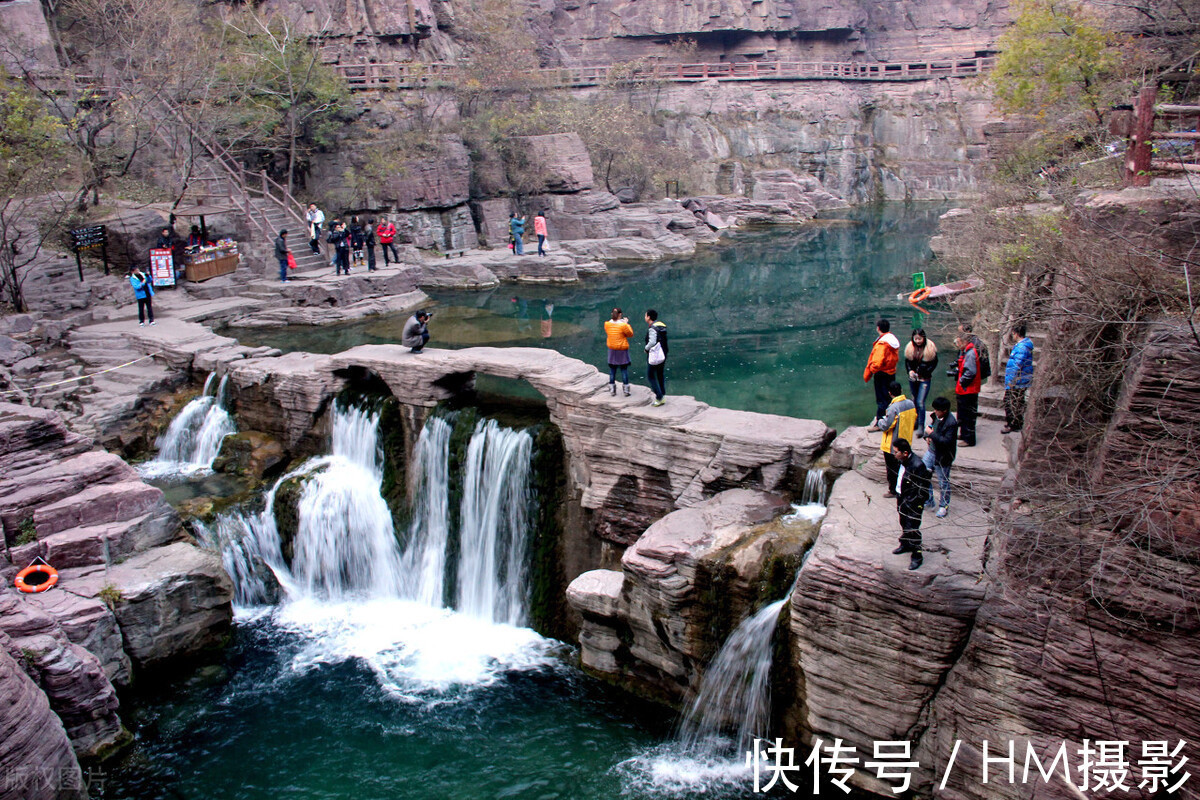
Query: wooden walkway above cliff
[{"x": 414, "y": 75}]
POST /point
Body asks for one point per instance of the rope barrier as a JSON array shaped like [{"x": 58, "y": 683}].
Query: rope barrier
[{"x": 79, "y": 377}]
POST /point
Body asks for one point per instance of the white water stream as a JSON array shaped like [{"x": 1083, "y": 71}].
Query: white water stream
[{"x": 193, "y": 439}]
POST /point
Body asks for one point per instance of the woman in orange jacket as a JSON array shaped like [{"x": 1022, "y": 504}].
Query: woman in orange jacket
[{"x": 618, "y": 332}]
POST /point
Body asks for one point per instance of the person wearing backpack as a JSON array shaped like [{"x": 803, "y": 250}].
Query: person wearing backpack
[
  {"x": 656, "y": 356},
  {"x": 966, "y": 388}
]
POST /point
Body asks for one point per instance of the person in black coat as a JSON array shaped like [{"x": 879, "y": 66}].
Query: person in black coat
[
  {"x": 369, "y": 240},
  {"x": 912, "y": 485},
  {"x": 942, "y": 435},
  {"x": 281, "y": 254}
]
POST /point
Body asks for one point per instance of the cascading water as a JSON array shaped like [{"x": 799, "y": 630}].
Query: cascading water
[
  {"x": 736, "y": 690},
  {"x": 193, "y": 439},
  {"x": 350, "y": 591},
  {"x": 813, "y": 500},
  {"x": 495, "y": 524}
]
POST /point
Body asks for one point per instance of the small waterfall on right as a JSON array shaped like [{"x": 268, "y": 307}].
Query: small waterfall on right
[
  {"x": 193, "y": 439},
  {"x": 813, "y": 500},
  {"x": 735, "y": 693}
]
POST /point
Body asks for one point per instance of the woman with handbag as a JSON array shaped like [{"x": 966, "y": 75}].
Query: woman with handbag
[{"x": 656, "y": 356}]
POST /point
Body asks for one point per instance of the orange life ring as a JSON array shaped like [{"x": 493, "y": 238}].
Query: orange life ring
[
  {"x": 918, "y": 295},
  {"x": 50, "y": 578}
]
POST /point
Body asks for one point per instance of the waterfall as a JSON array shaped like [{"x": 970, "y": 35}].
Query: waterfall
[
  {"x": 813, "y": 499},
  {"x": 193, "y": 439},
  {"x": 345, "y": 542},
  {"x": 735, "y": 692},
  {"x": 232, "y": 535},
  {"x": 429, "y": 534},
  {"x": 494, "y": 524}
]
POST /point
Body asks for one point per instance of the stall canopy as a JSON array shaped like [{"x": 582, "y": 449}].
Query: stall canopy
[{"x": 202, "y": 210}]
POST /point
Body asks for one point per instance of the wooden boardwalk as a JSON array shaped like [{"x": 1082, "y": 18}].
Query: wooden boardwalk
[{"x": 414, "y": 75}]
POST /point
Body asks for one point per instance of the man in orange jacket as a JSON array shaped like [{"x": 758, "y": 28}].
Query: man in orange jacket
[{"x": 881, "y": 366}]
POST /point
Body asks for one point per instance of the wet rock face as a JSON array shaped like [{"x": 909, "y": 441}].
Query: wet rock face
[
  {"x": 249, "y": 454},
  {"x": 682, "y": 587}
]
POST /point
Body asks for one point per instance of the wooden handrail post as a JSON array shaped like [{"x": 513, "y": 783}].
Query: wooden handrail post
[{"x": 1137, "y": 160}]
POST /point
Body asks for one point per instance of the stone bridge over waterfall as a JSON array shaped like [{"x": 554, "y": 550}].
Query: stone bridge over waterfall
[{"x": 629, "y": 463}]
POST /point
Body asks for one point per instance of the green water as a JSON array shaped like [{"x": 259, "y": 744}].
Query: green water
[{"x": 778, "y": 320}]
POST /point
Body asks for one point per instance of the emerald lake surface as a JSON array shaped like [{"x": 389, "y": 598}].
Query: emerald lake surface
[{"x": 776, "y": 320}]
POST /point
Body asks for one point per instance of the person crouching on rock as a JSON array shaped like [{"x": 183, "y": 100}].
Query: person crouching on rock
[
  {"x": 618, "y": 331},
  {"x": 912, "y": 485},
  {"x": 416, "y": 332},
  {"x": 143, "y": 290}
]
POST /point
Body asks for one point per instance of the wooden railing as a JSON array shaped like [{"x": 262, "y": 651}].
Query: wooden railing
[
  {"x": 411, "y": 75},
  {"x": 1139, "y": 125}
]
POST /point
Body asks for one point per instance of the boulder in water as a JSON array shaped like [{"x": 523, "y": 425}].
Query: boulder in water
[{"x": 249, "y": 454}]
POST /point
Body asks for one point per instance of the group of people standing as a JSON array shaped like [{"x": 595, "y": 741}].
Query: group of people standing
[
  {"x": 353, "y": 245},
  {"x": 516, "y": 233},
  {"x": 903, "y": 419},
  {"x": 618, "y": 332}
]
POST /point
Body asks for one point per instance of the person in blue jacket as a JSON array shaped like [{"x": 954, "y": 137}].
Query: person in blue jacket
[
  {"x": 1018, "y": 374},
  {"x": 143, "y": 290},
  {"x": 516, "y": 226}
]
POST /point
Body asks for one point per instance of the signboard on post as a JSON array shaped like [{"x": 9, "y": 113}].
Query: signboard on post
[
  {"x": 918, "y": 280},
  {"x": 87, "y": 239},
  {"x": 162, "y": 267}
]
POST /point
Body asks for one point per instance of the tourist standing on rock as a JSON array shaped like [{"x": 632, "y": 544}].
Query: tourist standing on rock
[
  {"x": 1018, "y": 374},
  {"x": 966, "y": 388},
  {"x": 881, "y": 366},
  {"x": 539, "y": 227},
  {"x": 281, "y": 254},
  {"x": 416, "y": 331},
  {"x": 316, "y": 218},
  {"x": 358, "y": 242},
  {"x": 143, "y": 290},
  {"x": 898, "y": 422},
  {"x": 516, "y": 227},
  {"x": 656, "y": 356},
  {"x": 920, "y": 359},
  {"x": 942, "y": 437},
  {"x": 912, "y": 487},
  {"x": 387, "y": 237},
  {"x": 341, "y": 247},
  {"x": 369, "y": 238},
  {"x": 618, "y": 332}
]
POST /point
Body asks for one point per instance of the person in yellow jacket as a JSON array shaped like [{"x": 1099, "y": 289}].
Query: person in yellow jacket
[
  {"x": 618, "y": 332},
  {"x": 898, "y": 422}
]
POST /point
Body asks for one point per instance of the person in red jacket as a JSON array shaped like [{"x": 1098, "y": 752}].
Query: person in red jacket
[
  {"x": 881, "y": 366},
  {"x": 966, "y": 388},
  {"x": 386, "y": 232}
]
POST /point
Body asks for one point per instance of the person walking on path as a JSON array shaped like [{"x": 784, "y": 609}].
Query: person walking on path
[
  {"x": 387, "y": 238},
  {"x": 912, "y": 487},
  {"x": 966, "y": 388},
  {"x": 281, "y": 254},
  {"x": 143, "y": 290},
  {"x": 656, "y": 356},
  {"x": 898, "y": 423},
  {"x": 316, "y": 218},
  {"x": 369, "y": 240},
  {"x": 920, "y": 359},
  {"x": 539, "y": 227},
  {"x": 618, "y": 332},
  {"x": 881, "y": 366},
  {"x": 416, "y": 331},
  {"x": 516, "y": 227},
  {"x": 942, "y": 436},
  {"x": 1018, "y": 374}
]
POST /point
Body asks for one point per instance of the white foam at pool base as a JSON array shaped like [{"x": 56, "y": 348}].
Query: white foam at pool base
[
  {"x": 668, "y": 770},
  {"x": 415, "y": 651}
]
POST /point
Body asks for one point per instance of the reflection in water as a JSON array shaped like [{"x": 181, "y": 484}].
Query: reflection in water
[{"x": 777, "y": 321}]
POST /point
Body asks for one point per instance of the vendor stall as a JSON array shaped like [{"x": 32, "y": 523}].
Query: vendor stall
[{"x": 210, "y": 261}]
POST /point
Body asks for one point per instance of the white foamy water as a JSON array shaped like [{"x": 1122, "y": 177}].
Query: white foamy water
[
  {"x": 193, "y": 439},
  {"x": 672, "y": 771},
  {"x": 351, "y": 594},
  {"x": 813, "y": 501}
]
